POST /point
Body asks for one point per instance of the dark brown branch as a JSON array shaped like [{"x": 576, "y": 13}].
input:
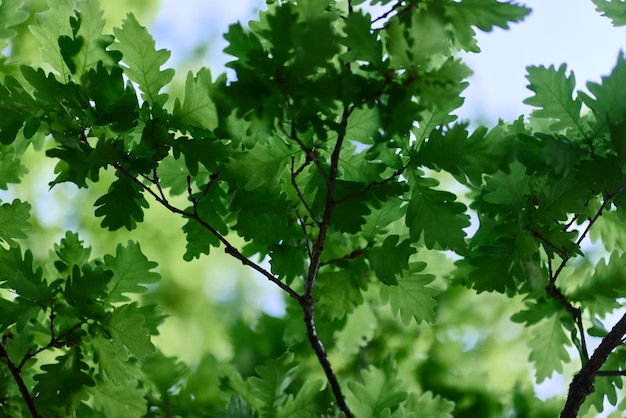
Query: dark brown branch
[
  {"x": 314, "y": 266},
  {"x": 17, "y": 376},
  {"x": 582, "y": 384},
  {"x": 388, "y": 12}
]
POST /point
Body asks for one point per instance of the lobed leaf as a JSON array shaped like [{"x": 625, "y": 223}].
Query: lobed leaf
[
  {"x": 52, "y": 24},
  {"x": 12, "y": 13},
  {"x": 305, "y": 403},
  {"x": 272, "y": 380},
  {"x": 143, "y": 61},
  {"x": 437, "y": 215},
  {"x": 63, "y": 384},
  {"x": 122, "y": 205},
  {"x": 613, "y": 9},
  {"x": 483, "y": 14},
  {"x": 428, "y": 405},
  {"x": 197, "y": 109},
  {"x": 379, "y": 389},
  {"x": 131, "y": 270},
  {"x": 337, "y": 293},
  {"x": 390, "y": 259},
  {"x": 548, "y": 342},
  {"x": 126, "y": 326},
  {"x": 120, "y": 400},
  {"x": 553, "y": 96},
  {"x": 14, "y": 221},
  {"x": 411, "y": 298}
]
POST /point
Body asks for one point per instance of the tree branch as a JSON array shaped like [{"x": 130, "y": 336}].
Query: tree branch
[
  {"x": 228, "y": 247},
  {"x": 318, "y": 248},
  {"x": 582, "y": 384},
  {"x": 17, "y": 376}
]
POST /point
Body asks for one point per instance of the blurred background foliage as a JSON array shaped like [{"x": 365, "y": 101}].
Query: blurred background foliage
[{"x": 221, "y": 315}]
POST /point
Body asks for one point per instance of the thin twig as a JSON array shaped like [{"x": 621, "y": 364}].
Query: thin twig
[
  {"x": 228, "y": 247},
  {"x": 294, "y": 183},
  {"x": 388, "y": 12}
]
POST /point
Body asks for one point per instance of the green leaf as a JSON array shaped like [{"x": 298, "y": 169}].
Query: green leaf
[
  {"x": 548, "y": 342},
  {"x": 337, "y": 293},
  {"x": 507, "y": 190},
  {"x": 131, "y": 269},
  {"x": 428, "y": 405},
  {"x": 437, "y": 214},
  {"x": 14, "y": 221},
  {"x": 379, "y": 389},
  {"x": 115, "y": 103},
  {"x": 483, "y": 14},
  {"x": 390, "y": 259},
  {"x": 64, "y": 383},
  {"x": 613, "y": 9},
  {"x": 608, "y": 104},
  {"x": 609, "y": 231},
  {"x": 209, "y": 152},
  {"x": 79, "y": 162},
  {"x": 363, "y": 43},
  {"x": 268, "y": 163},
  {"x": 143, "y": 61},
  {"x": 305, "y": 403},
  {"x": 125, "y": 400},
  {"x": 288, "y": 262},
  {"x": 274, "y": 377},
  {"x": 127, "y": 330},
  {"x": 198, "y": 109},
  {"x": 12, "y": 13},
  {"x": 498, "y": 265},
  {"x": 122, "y": 205},
  {"x": 212, "y": 210},
  {"x": 237, "y": 408},
  {"x": 94, "y": 49},
  {"x": 85, "y": 289},
  {"x": 51, "y": 25},
  {"x": 553, "y": 96},
  {"x": 599, "y": 289},
  {"x": 11, "y": 167},
  {"x": 17, "y": 273},
  {"x": 358, "y": 332},
  {"x": 413, "y": 44},
  {"x": 113, "y": 364},
  {"x": 411, "y": 297},
  {"x": 70, "y": 252},
  {"x": 462, "y": 156},
  {"x": 380, "y": 220}
]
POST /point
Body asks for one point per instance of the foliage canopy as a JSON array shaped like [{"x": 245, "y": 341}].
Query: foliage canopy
[{"x": 333, "y": 167}]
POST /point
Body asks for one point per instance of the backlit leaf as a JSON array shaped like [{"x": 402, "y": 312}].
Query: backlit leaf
[{"x": 143, "y": 61}]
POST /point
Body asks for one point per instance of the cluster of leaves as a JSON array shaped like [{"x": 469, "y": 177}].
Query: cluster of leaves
[
  {"x": 326, "y": 157},
  {"x": 70, "y": 329}
]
